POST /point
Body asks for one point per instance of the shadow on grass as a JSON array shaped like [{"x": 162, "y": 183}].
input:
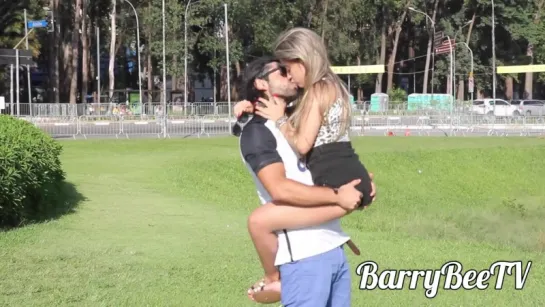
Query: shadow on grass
[
  {"x": 64, "y": 202},
  {"x": 67, "y": 200}
]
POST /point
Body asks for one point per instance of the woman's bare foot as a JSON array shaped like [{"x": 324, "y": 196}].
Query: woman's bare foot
[{"x": 265, "y": 292}]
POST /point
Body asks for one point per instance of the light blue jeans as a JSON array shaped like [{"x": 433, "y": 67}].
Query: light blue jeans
[{"x": 319, "y": 281}]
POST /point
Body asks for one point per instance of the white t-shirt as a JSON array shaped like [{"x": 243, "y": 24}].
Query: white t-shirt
[{"x": 262, "y": 144}]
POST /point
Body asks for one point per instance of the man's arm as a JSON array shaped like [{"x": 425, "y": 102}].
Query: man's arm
[
  {"x": 291, "y": 192},
  {"x": 258, "y": 147}
]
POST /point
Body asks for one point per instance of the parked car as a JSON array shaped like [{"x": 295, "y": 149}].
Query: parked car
[
  {"x": 530, "y": 107},
  {"x": 502, "y": 109}
]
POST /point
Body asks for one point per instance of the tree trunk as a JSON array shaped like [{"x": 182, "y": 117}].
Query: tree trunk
[
  {"x": 238, "y": 68},
  {"x": 529, "y": 77},
  {"x": 54, "y": 54},
  {"x": 65, "y": 23},
  {"x": 310, "y": 15},
  {"x": 359, "y": 91},
  {"x": 85, "y": 34},
  {"x": 461, "y": 82},
  {"x": 429, "y": 52},
  {"x": 382, "y": 57},
  {"x": 391, "y": 60},
  {"x": 75, "y": 53},
  {"x": 223, "y": 83},
  {"x": 324, "y": 17},
  {"x": 509, "y": 87},
  {"x": 149, "y": 62},
  {"x": 92, "y": 67},
  {"x": 412, "y": 55},
  {"x": 111, "y": 65}
]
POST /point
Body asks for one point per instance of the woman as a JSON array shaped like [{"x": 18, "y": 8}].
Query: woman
[{"x": 318, "y": 131}]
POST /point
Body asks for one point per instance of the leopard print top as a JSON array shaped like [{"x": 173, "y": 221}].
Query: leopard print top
[{"x": 330, "y": 130}]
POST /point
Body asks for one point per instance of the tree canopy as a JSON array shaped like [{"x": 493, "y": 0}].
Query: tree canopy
[{"x": 395, "y": 33}]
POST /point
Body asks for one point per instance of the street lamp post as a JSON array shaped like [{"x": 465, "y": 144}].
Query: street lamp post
[
  {"x": 138, "y": 55},
  {"x": 185, "y": 54},
  {"x": 429, "y": 45},
  {"x": 451, "y": 47},
  {"x": 164, "y": 74},
  {"x": 17, "y": 72},
  {"x": 228, "y": 64},
  {"x": 493, "y": 57},
  {"x": 28, "y": 67}
]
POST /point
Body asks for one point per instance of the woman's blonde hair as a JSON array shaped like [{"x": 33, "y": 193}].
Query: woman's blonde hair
[{"x": 307, "y": 47}]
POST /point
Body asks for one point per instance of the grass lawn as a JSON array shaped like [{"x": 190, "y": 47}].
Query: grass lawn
[{"x": 163, "y": 223}]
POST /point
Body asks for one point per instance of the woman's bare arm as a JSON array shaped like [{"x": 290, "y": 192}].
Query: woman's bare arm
[{"x": 321, "y": 96}]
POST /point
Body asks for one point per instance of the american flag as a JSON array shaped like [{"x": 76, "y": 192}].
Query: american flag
[{"x": 445, "y": 47}]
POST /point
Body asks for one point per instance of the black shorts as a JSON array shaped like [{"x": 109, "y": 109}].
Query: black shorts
[{"x": 336, "y": 164}]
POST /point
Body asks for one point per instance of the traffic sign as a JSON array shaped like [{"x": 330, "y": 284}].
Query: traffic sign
[
  {"x": 470, "y": 84},
  {"x": 9, "y": 57},
  {"x": 37, "y": 24},
  {"x": 438, "y": 39}
]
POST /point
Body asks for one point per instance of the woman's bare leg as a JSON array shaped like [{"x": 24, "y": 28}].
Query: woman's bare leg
[{"x": 271, "y": 217}]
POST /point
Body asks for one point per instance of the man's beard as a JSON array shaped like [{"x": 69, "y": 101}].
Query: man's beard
[{"x": 292, "y": 96}]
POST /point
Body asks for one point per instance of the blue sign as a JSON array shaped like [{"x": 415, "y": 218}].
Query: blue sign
[{"x": 37, "y": 24}]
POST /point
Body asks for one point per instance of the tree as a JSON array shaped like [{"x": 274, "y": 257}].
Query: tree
[
  {"x": 75, "y": 52},
  {"x": 113, "y": 53}
]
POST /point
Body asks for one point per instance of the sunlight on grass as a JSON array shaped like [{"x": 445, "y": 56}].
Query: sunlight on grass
[{"x": 163, "y": 223}]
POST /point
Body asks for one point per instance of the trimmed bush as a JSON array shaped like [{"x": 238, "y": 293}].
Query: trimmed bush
[{"x": 30, "y": 172}]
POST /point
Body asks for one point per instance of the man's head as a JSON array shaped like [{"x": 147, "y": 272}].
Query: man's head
[
  {"x": 261, "y": 75},
  {"x": 266, "y": 74}
]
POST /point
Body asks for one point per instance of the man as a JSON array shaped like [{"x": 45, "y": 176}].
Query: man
[{"x": 313, "y": 267}]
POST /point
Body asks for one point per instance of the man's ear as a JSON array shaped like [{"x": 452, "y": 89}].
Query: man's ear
[{"x": 261, "y": 85}]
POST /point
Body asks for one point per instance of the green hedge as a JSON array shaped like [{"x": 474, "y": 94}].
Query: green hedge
[{"x": 30, "y": 172}]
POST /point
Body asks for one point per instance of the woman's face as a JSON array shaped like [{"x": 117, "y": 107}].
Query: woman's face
[{"x": 297, "y": 71}]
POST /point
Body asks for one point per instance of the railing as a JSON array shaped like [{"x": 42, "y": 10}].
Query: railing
[
  {"x": 173, "y": 125},
  {"x": 208, "y": 119},
  {"x": 114, "y": 109},
  {"x": 361, "y": 108}
]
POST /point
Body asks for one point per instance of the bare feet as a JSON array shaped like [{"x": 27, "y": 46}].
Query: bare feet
[{"x": 265, "y": 292}]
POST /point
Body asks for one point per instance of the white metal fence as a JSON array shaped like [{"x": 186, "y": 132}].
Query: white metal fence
[
  {"x": 217, "y": 109},
  {"x": 88, "y": 126},
  {"x": 121, "y": 109},
  {"x": 120, "y": 121}
]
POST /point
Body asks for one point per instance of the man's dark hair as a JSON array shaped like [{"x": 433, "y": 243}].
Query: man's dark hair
[{"x": 254, "y": 70}]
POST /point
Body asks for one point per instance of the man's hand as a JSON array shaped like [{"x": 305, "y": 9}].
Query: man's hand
[
  {"x": 349, "y": 196},
  {"x": 373, "y": 191}
]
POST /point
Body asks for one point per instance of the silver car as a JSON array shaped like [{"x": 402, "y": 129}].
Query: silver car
[{"x": 530, "y": 107}]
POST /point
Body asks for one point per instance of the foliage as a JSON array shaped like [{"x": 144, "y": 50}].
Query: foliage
[
  {"x": 352, "y": 29},
  {"x": 397, "y": 95},
  {"x": 30, "y": 171}
]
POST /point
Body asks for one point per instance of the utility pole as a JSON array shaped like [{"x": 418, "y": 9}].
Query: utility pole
[{"x": 28, "y": 67}]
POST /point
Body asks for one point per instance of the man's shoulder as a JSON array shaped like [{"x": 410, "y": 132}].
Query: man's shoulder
[
  {"x": 256, "y": 131},
  {"x": 256, "y": 123},
  {"x": 258, "y": 144}
]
